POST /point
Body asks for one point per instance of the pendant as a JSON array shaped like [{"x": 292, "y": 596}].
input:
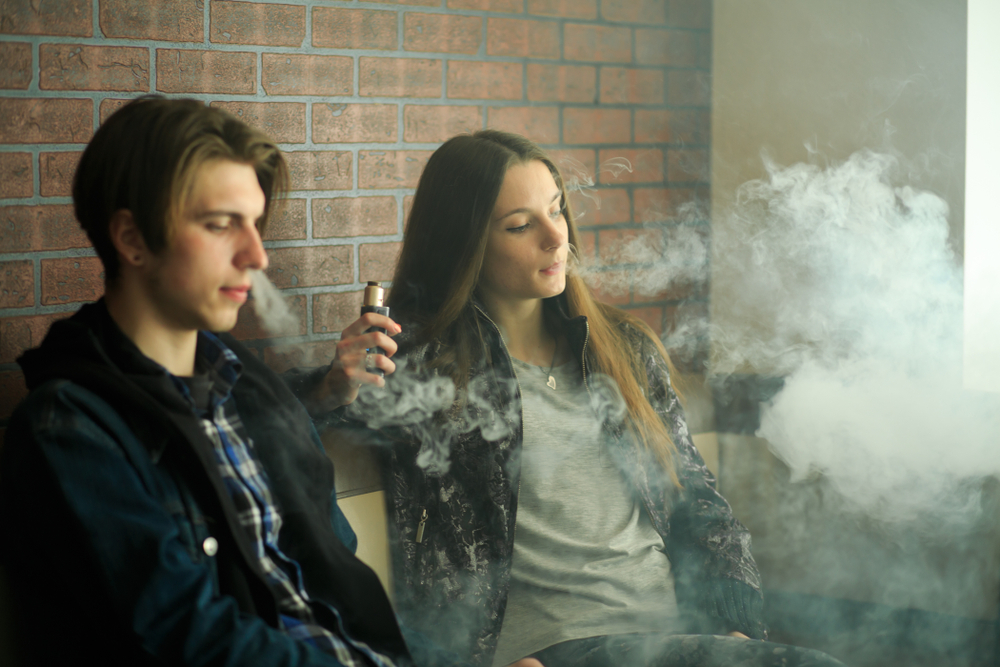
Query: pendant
[{"x": 551, "y": 383}]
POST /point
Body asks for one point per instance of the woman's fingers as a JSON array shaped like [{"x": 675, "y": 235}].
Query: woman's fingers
[{"x": 366, "y": 322}]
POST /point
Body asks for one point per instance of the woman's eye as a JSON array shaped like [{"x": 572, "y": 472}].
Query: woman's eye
[
  {"x": 556, "y": 214},
  {"x": 519, "y": 230}
]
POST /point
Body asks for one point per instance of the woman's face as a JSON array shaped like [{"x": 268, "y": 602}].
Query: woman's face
[{"x": 527, "y": 247}]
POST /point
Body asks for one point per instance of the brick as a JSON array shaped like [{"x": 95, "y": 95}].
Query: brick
[
  {"x": 689, "y": 87},
  {"x": 320, "y": 170},
  {"x": 46, "y": 17},
  {"x": 72, "y": 279},
  {"x": 407, "y": 207},
  {"x": 311, "y": 266},
  {"x": 522, "y": 38},
  {"x": 435, "y": 124},
  {"x": 510, "y": 6},
  {"x": 189, "y": 71},
  {"x": 17, "y": 284},
  {"x": 597, "y": 126},
  {"x": 676, "y": 48},
  {"x": 12, "y": 391},
  {"x": 587, "y": 248},
  {"x": 347, "y": 123},
  {"x": 665, "y": 204},
  {"x": 399, "y": 77},
  {"x": 648, "y": 287},
  {"x": 18, "y": 334},
  {"x": 692, "y": 314},
  {"x": 257, "y": 23},
  {"x": 562, "y": 83},
  {"x": 288, "y": 221},
  {"x": 378, "y": 261},
  {"x": 16, "y": 179},
  {"x": 354, "y": 216},
  {"x": 16, "y": 72},
  {"x": 55, "y": 173},
  {"x": 487, "y": 81},
  {"x": 78, "y": 67},
  {"x": 353, "y": 29},
  {"x": 597, "y": 43},
  {"x": 110, "y": 105},
  {"x": 705, "y": 51},
  {"x": 687, "y": 166},
  {"x": 390, "y": 169},
  {"x": 635, "y": 11},
  {"x": 540, "y": 124},
  {"x": 163, "y": 20},
  {"x": 578, "y": 165},
  {"x": 295, "y": 74},
  {"x": 449, "y": 33},
  {"x": 630, "y": 246},
  {"x": 332, "y": 313},
  {"x": 45, "y": 121},
  {"x": 280, "y": 358},
  {"x": 690, "y": 14},
  {"x": 652, "y": 316},
  {"x": 679, "y": 126},
  {"x": 605, "y": 206},
  {"x": 612, "y": 287},
  {"x": 249, "y": 326},
  {"x": 646, "y": 165},
  {"x": 424, "y": 3},
  {"x": 574, "y": 9},
  {"x": 621, "y": 85},
  {"x": 284, "y": 122}
]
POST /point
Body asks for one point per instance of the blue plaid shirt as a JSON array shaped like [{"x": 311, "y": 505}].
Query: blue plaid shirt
[{"x": 250, "y": 490}]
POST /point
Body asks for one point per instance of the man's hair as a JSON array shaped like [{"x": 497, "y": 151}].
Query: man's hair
[{"x": 144, "y": 159}]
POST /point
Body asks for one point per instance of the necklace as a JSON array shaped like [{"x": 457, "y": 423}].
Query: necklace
[{"x": 551, "y": 384}]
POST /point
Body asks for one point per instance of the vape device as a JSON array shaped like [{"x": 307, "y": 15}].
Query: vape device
[{"x": 374, "y": 295}]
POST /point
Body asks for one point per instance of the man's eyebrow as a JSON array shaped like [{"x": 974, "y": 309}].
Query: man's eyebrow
[{"x": 524, "y": 210}]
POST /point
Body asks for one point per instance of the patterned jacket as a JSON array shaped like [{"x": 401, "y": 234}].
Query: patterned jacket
[{"x": 452, "y": 485}]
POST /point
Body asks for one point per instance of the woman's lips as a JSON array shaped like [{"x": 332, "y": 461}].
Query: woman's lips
[{"x": 554, "y": 269}]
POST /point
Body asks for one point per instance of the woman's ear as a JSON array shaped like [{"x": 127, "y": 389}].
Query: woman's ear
[{"x": 127, "y": 239}]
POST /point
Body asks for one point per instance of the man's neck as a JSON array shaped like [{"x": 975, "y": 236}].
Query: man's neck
[{"x": 172, "y": 348}]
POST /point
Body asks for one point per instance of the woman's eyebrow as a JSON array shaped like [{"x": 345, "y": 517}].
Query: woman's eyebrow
[{"x": 525, "y": 210}]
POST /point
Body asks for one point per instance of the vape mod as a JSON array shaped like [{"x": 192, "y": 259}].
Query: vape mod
[{"x": 374, "y": 294}]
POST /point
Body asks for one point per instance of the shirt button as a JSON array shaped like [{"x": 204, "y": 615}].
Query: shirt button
[{"x": 210, "y": 546}]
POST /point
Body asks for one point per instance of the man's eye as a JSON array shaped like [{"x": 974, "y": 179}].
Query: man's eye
[{"x": 216, "y": 226}]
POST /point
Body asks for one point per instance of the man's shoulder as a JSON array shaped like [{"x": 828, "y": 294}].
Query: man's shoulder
[{"x": 60, "y": 407}]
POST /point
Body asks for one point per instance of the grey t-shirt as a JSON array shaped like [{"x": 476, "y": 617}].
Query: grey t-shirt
[{"x": 587, "y": 560}]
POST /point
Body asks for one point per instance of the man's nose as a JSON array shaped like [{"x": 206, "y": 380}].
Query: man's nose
[{"x": 252, "y": 254}]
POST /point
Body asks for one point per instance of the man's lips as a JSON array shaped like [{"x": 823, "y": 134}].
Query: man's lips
[{"x": 237, "y": 293}]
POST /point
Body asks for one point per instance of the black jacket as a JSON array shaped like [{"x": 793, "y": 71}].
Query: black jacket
[{"x": 456, "y": 471}]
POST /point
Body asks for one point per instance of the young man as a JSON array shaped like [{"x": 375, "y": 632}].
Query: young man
[{"x": 165, "y": 499}]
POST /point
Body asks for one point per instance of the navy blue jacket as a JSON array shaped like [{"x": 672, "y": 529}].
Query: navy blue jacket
[{"x": 109, "y": 491}]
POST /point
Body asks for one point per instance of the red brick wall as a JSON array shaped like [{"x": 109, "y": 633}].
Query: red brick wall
[{"x": 358, "y": 95}]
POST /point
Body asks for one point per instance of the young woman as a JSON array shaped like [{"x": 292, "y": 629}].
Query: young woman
[{"x": 573, "y": 520}]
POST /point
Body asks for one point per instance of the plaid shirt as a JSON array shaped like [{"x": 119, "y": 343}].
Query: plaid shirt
[{"x": 248, "y": 486}]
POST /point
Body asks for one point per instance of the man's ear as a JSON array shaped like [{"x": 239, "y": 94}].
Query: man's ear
[{"x": 127, "y": 239}]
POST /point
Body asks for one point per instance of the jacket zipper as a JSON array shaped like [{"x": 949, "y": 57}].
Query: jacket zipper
[
  {"x": 421, "y": 526},
  {"x": 520, "y": 407}
]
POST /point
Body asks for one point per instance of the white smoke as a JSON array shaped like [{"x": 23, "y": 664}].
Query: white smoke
[
  {"x": 861, "y": 296},
  {"x": 271, "y": 307}
]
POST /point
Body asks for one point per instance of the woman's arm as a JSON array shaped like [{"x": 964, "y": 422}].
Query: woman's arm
[{"x": 715, "y": 575}]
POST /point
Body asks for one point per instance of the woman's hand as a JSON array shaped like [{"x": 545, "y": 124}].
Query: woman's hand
[
  {"x": 348, "y": 370},
  {"x": 734, "y": 633},
  {"x": 527, "y": 662}
]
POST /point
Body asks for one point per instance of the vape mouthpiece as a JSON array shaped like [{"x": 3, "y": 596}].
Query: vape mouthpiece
[{"x": 374, "y": 294}]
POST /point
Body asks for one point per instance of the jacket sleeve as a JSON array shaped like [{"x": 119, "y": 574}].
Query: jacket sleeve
[
  {"x": 83, "y": 521},
  {"x": 715, "y": 576}
]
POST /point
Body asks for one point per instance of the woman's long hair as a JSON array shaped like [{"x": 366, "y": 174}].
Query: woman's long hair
[{"x": 442, "y": 257}]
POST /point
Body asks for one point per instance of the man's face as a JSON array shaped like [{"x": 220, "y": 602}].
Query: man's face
[{"x": 202, "y": 278}]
